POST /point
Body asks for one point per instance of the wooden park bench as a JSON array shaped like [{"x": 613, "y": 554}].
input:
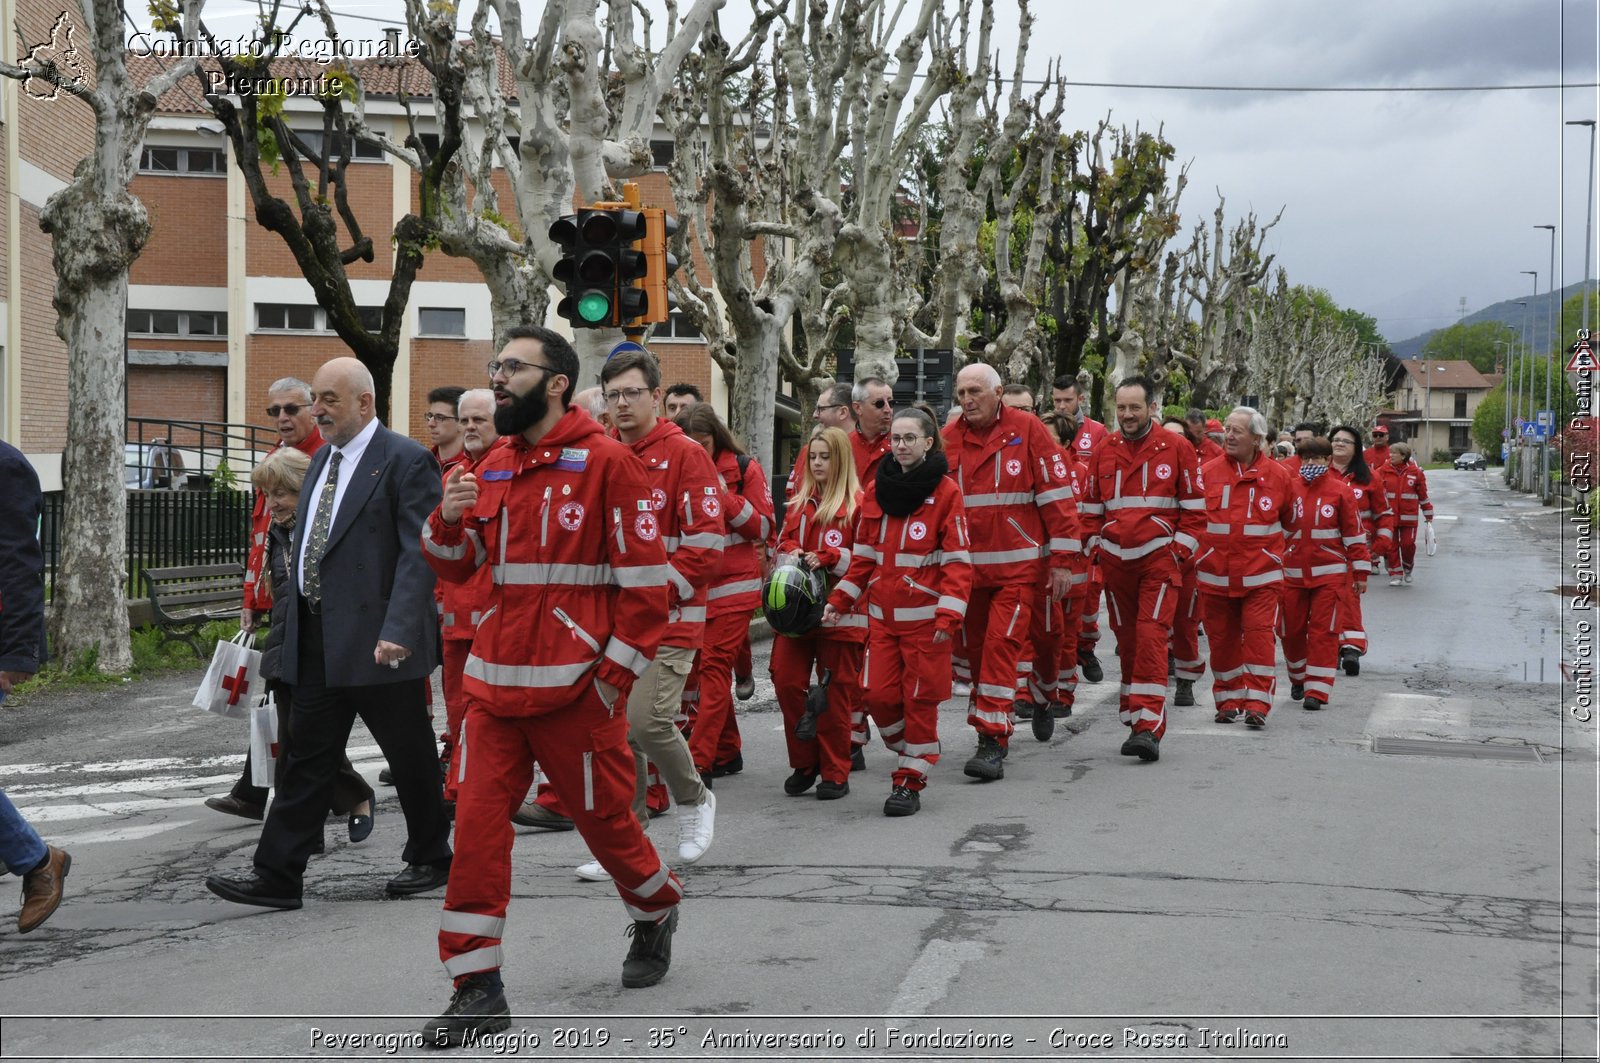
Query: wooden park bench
[{"x": 186, "y": 598}]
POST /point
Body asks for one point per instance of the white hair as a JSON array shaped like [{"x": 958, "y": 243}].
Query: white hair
[
  {"x": 593, "y": 401},
  {"x": 987, "y": 373},
  {"x": 291, "y": 383},
  {"x": 486, "y": 394},
  {"x": 859, "y": 392},
  {"x": 1258, "y": 420}
]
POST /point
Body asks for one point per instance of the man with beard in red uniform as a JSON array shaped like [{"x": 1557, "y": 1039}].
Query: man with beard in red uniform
[
  {"x": 579, "y": 604},
  {"x": 1020, "y": 512},
  {"x": 1143, "y": 517}
]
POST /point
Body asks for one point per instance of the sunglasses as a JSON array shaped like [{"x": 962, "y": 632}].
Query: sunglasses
[
  {"x": 881, "y": 404},
  {"x": 292, "y": 409}
]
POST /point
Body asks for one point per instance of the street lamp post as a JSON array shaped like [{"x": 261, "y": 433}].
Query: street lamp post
[
  {"x": 1588, "y": 225},
  {"x": 1522, "y": 391},
  {"x": 1527, "y": 361},
  {"x": 1549, "y": 370}
]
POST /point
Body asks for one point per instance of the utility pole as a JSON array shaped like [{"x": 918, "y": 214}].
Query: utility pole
[
  {"x": 1552, "y": 346},
  {"x": 1588, "y": 224}
]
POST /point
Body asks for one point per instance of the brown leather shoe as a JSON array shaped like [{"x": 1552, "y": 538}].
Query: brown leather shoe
[
  {"x": 230, "y": 805},
  {"x": 41, "y": 889}
]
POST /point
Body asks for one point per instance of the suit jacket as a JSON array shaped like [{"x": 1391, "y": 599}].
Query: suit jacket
[
  {"x": 375, "y": 584},
  {"x": 22, "y": 645}
]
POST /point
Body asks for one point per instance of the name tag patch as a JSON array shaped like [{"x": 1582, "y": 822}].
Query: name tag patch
[
  {"x": 573, "y": 459},
  {"x": 495, "y": 474}
]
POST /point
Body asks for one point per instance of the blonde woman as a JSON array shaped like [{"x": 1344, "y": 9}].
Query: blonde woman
[{"x": 817, "y": 529}]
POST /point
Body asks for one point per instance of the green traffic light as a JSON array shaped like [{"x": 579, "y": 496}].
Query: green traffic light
[{"x": 594, "y": 306}]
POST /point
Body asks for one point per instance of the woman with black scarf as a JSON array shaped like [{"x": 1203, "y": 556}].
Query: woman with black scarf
[{"x": 911, "y": 553}]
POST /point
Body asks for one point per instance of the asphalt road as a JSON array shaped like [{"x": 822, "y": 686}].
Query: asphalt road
[{"x": 1330, "y": 900}]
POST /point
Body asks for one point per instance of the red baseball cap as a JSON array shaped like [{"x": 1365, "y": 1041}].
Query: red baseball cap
[
  {"x": 1213, "y": 425},
  {"x": 1380, "y": 429}
]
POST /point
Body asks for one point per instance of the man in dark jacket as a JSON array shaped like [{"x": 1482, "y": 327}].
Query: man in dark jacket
[{"x": 43, "y": 867}]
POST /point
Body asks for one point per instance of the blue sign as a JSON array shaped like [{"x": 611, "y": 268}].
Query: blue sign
[{"x": 625, "y": 346}]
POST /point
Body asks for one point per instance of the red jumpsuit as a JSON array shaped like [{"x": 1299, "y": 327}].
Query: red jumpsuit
[
  {"x": 1239, "y": 570},
  {"x": 1048, "y": 672},
  {"x": 918, "y": 569},
  {"x": 579, "y": 596},
  {"x": 1377, "y": 520},
  {"x": 745, "y": 504},
  {"x": 1091, "y": 434},
  {"x": 461, "y": 606},
  {"x": 1407, "y": 488},
  {"x": 1327, "y": 549},
  {"x": 1017, "y": 493},
  {"x": 838, "y": 648},
  {"x": 1143, "y": 517}
]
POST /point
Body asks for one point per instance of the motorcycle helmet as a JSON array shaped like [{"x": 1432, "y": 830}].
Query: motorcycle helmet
[{"x": 793, "y": 599}]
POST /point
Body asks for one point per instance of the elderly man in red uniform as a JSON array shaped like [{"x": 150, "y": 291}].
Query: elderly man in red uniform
[
  {"x": 1143, "y": 517},
  {"x": 873, "y": 404},
  {"x": 1023, "y": 525},
  {"x": 564, "y": 516},
  {"x": 1249, "y": 501}
]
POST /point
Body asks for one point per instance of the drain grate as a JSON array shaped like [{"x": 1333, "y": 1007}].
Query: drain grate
[{"x": 1422, "y": 747}]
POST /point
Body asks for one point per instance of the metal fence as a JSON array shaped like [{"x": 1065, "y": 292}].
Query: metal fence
[{"x": 165, "y": 528}]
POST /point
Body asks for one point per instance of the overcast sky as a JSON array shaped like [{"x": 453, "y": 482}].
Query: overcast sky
[{"x": 1398, "y": 203}]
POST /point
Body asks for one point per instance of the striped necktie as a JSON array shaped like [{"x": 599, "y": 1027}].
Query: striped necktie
[{"x": 317, "y": 536}]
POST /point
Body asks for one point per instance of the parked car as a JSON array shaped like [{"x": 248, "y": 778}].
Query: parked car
[{"x": 1472, "y": 460}]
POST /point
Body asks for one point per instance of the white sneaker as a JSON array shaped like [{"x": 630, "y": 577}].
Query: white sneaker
[
  {"x": 1395, "y": 582},
  {"x": 959, "y": 689},
  {"x": 593, "y": 872},
  {"x": 695, "y": 829},
  {"x": 1408, "y": 579}
]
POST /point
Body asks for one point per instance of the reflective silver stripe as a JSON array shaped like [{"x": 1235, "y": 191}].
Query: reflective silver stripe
[
  {"x": 919, "y": 560},
  {"x": 1354, "y": 540},
  {"x": 1261, "y": 579},
  {"x": 1143, "y": 502},
  {"x": 684, "y": 587},
  {"x": 482, "y": 926},
  {"x": 1363, "y": 566},
  {"x": 953, "y": 604},
  {"x": 1230, "y": 674},
  {"x": 989, "y": 690},
  {"x": 477, "y": 960},
  {"x": 920, "y": 612},
  {"x": 669, "y": 543},
  {"x": 1328, "y": 570},
  {"x": 1295, "y": 573},
  {"x": 1324, "y": 533},
  {"x": 1187, "y": 541},
  {"x": 874, "y": 612},
  {"x": 1321, "y": 673},
  {"x": 1409, "y": 518},
  {"x": 1132, "y": 553},
  {"x": 1218, "y": 529},
  {"x": 476, "y": 617},
  {"x": 650, "y": 886},
  {"x": 743, "y": 516},
  {"x": 1264, "y": 529},
  {"x": 1080, "y": 578},
  {"x": 1065, "y": 546},
  {"x": 692, "y": 614},
  {"x": 1263, "y": 670},
  {"x": 866, "y": 550},
  {"x": 1005, "y": 557},
  {"x": 1155, "y": 690},
  {"x": 841, "y": 566},
  {"x": 619, "y": 652},
  {"x": 453, "y": 553},
  {"x": 1055, "y": 494},
  {"x": 525, "y": 675},
  {"x": 1192, "y": 503},
  {"x": 727, "y": 590},
  {"x": 522, "y": 575},
  {"x": 1211, "y": 581},
  {"x": 848, "y": 588},
  {"x": 920, "y": 749},
  {"x": 1092, "y": 508},
  {"x": 699, "y": 541},
  {"x": 449, "y": 619},
  {"x": 1005, "y": 498},
  {"x": 640, "y": 576}
]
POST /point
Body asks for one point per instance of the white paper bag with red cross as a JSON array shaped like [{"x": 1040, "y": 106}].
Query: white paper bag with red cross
[
  {"x": 264, "y": 742},
  {"x": 233, "y": 682}
]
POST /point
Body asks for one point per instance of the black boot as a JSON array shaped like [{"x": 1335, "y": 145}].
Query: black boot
[
  {"x": 1183, "y": 697},
  {"x": 478, "y": 1007},
  {"x": 1142, "y": 744},
  {"x": 1351, "y": 659},
  {"x": 1044, "y": 723},
  {"x": 651, "y": 952},
  {"x": 986, "y": 763}
]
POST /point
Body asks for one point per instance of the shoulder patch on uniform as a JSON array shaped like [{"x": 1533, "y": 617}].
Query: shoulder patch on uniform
[
  {"x": 573, "y": 459},
  {"x": 495, "y": 474}
]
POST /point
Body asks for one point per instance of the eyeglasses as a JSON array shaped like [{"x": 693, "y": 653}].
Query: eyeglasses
[
  {"x": 906, "y": 441},
  {"x": 1342, "y": 442},
  {"x": 511, "y": 367},
  {"x": 633, "y": 395},
  {"x": 437, "y": 418},
  {"x": 290, "y": 408}
]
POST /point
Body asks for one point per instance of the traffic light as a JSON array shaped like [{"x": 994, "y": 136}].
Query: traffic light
[
  {"x": 660, "y": 264},
  {"x": 598, "y": 265}
]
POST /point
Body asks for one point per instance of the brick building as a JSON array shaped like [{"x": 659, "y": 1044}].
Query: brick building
[{"x": 217, "y": 308}]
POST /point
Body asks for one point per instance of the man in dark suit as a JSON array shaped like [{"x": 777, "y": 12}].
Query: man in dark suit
[{"x": 362, "y": 639}]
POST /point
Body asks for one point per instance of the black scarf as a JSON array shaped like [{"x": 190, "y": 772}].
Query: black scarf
[{"x": 901, "y": 492}]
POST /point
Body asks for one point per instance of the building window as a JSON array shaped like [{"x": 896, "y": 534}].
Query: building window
[
  {"x": 205, "y": 161},
  {"x": 441, "y": 321},
  {"x": 677, "y": 327},
  {"x": 371, "y": 318},
  {"x": 1461, "y": 404},
  {"x": 289, "y": 317},
  {"x": 208, "y": 323},
  {"x": 661, "y": 153},
  {"x": 1460, "y": 438},
  {"x": 361, "y": 151}
]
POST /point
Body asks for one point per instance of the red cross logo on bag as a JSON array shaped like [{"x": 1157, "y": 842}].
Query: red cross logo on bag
[{"x": 237, "y": 686}]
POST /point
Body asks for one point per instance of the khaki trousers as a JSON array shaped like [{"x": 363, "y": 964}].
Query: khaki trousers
[{"x": 652, "y": 704}]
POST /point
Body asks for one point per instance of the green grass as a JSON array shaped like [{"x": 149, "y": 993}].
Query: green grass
[{"x": 150, "y": 657}]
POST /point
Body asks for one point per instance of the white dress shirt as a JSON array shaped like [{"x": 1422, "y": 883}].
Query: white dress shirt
[{"x": 349, "y": 458}]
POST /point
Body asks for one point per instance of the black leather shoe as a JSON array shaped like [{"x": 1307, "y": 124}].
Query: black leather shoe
[
  {"x": 1060, "y": 710},
  {"x": 799, "y": 781},
  {"x": 478, "y": 1007},
  {"x": 832, "y": 791},
  {"x": 386, "y": 777},
  {"x": 1044, "y": 723},
  {"x": 732, "y": 766},
  {"x": 858, "y": 759},
  {"x": 361, "y": 825},
  {"x": 419, "y": 878},
  {"x": 1351, "y": 660},
  {"x": 902, "y": 801},
  {"x": 230, "y": 805},
  {"x": 1089, "y": 668},
  {"x": 986, "y": 763},
  {"x": 1142, "y": 744},
  {"x": 651, "y": 952},
  {"x": 1023, "y": 710},
  {"x": 1296, "y": 691},
  {"x": 251, "y": 890}
]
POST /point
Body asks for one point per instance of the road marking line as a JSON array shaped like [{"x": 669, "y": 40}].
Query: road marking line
[
  {"x": 1494, "y": 520},
  {"x": 157, "y": 764},
  {"x": 61, "y": 813},
  {"x": 25, "y": 795},
  {"x": 118, "y": 834},
  {"x": 932, "y": 974},
  {"x": 1416, "y": 715}
]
